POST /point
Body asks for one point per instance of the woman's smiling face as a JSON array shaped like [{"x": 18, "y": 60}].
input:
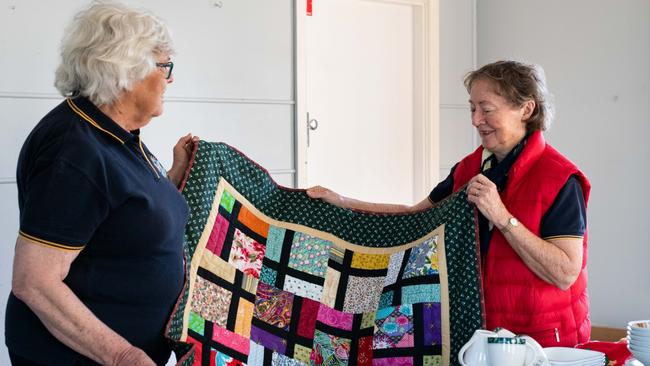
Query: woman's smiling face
[{"x": 499, "y": 124}]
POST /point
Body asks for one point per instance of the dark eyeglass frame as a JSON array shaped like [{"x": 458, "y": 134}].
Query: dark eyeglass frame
[{"x": 169, "y": 66}]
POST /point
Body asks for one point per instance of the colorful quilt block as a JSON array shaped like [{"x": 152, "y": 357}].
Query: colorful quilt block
[
  {"x": 244, "y": 318},
  {"x": 273, "y": 306},
  {"x": 246, "y": 254},
  {"x": 268, "y": 339},
  {"x": 330, "y": 287},
  {"x": 302, "y": 354},
  {"x": 309, "y": 311},
  {"x": 277, "y": 278},
  {"x": 268, "y": 275},
  {"x": 330, "y": 349},
  {"x": 218, "y": 235},
  {"x": 227, "y": 201},
  {"x": 274, "y": 243},
  {"x": 309, "y": 254},
  {"x": 196, "y": 323},
  {"x": 370, "y": 261},
  {"x": 420, "y": 293},
  {"x": 394, "y": 328},
  {"x": 303, "y": 288},
  {"x": 362, "y": 294},
  {"x": 211, "y": 301},
  {"x": 423, "y": 260},
  {"x": 394, "y": 266}
]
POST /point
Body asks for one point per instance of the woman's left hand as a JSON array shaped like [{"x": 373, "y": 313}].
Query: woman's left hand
[
  {"x": 484, "y": 194},
  {"x": 182, "y": 154}
]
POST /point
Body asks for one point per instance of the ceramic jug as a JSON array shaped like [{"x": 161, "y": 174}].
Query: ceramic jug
[{"x": 475, "y": 352}]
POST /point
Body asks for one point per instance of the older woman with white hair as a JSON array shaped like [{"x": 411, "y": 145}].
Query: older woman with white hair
[{"x": 98, "y": 260}]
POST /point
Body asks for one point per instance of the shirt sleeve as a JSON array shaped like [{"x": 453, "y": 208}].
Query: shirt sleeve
[
  {"x": 444, "y": 188},
  {"x": 567, "y": 216},
  {"x": 62, "y": 207}
]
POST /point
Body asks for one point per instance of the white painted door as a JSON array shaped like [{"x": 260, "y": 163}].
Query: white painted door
[{"x": 364, "y": 71}]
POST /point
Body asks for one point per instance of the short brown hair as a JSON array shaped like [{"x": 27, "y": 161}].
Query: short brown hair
[{"x": 517, "y": 83}]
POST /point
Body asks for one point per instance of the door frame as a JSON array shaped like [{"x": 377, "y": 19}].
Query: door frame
[{"x": 426, "y": 128}]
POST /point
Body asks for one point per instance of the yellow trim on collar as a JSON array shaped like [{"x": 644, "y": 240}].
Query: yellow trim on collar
[
  {"x": 50, "y": 244},
  {"x": 87, "y": 118}
]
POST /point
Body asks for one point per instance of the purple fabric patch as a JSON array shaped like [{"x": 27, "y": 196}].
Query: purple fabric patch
[
  {"x": 268, "y": 340},
  {"x": 432, "y": 319}
]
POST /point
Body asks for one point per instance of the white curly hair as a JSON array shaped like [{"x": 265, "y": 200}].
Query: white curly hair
[{"x": 107, "y": 47}]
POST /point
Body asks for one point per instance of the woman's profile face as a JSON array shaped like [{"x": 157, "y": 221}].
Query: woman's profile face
[
  {"x": 147, "y": 94},
  {"x": 500, "y": 125}
]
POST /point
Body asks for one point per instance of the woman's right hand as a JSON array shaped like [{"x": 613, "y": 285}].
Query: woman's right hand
[
  {"x": 134, "y": 356},
  {"x": 327, "y": 195}
]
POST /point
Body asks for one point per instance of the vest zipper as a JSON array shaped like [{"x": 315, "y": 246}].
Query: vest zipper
[{"x": 557, "y": 336}]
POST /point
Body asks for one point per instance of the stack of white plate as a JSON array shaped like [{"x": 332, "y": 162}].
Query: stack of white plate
[
  {"x": 638, "y": 340},
  {"x": 565, "y": 356}
]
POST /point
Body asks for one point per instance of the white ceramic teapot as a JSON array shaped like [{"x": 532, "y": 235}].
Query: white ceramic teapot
[{"x": 475, "y": 352}]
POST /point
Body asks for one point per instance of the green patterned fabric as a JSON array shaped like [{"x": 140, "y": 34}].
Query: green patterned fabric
[{"x": 215, "y": 162}]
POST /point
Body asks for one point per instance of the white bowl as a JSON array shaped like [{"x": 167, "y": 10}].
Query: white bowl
[
  {"x": 644, "y": 357},
  {"x": 638, "y": 341},
  {"x": 639, "y": 347},
  {"x": 567, "y": 355},
  {"x": 643, "y": 325},
  {"x": 638, "y": 332}
]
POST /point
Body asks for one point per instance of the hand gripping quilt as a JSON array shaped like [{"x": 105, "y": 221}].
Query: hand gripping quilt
[{"x": 276, "y": 278}]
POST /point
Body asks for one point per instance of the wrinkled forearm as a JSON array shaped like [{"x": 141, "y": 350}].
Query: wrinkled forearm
[
  {"x": 383, "y": 207},
  {"x": 71, "y": 322},
  {"x": 548, "y": 261}
]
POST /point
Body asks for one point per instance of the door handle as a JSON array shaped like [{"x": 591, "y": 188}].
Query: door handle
[{"x": 312, "y": 125}]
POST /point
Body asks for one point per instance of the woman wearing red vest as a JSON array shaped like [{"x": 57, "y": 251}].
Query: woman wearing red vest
[{"x": 532, "y": 208}]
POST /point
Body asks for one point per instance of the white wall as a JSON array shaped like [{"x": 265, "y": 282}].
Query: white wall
[
  {"x": 457, "y": 57},
  {"x": 233, "y": 82},
  {"x": 597, "y": 59}
]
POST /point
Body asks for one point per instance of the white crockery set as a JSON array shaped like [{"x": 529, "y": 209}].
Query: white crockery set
[
  {"x": 503, "y": 348},
  {"x": 638, "y": 340}
]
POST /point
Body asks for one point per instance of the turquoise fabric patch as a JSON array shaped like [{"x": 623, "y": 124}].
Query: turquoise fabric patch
[
  {"x": 274, "y": 243},
  {"x": 420, "y": 293}
]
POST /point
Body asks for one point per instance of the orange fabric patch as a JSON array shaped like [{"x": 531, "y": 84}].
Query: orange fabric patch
[
  {"x": 244, "y": 318},
  {"x": 252, "y": 222}
]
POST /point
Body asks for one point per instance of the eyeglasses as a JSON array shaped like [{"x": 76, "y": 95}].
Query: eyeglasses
[{"x": 167, "y": 66}]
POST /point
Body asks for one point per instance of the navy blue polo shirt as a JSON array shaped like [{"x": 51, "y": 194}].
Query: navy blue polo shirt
[{"x": 85, "y": 184}]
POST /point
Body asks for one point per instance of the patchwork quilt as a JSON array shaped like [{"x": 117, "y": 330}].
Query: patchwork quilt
[{"x": 276, "y": 278}]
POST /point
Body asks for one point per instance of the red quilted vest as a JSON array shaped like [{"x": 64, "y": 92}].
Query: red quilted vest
[{"x": 515, "y": 298}]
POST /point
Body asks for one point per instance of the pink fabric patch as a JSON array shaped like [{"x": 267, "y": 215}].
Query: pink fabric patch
[
  {"x": 231, "y": 340},
  {"x": 393, "y": 361},
  {"x": 406, "y": 341},
  {"x": 217, "y": 235},
  {"x": 335, "y": 318}
]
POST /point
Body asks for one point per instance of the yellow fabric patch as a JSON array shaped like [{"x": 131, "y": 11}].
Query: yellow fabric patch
[
  {"x": 218, "y": 266},
  {"x": 370, "y": 261}
]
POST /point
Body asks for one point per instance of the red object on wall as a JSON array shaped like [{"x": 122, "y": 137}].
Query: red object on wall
[{"x": 308, "y": 8}]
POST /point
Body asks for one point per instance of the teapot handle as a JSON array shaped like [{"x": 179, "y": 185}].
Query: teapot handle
[
  {"x": 538, "y": 355},
  {"x": 461, "y": 353}
]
